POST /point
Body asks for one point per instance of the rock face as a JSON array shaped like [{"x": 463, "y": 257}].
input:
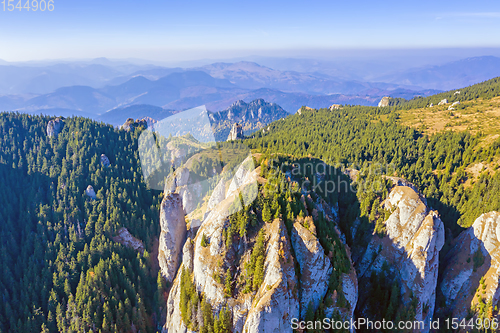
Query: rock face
[
  {"x": 54, "y": 127},
  {"x": 443, "y": 102},
  {"x": 236, "y": 132},
  {"x": 276, "y": 301},
  {"x": 415, "y": 235},
  {"x": 172, "y": 236},
  {"x": 90, "y": 192},
  {"x": 384, "y": 102},
  {"x": 125, "y": 237},
  {"x": 334, "y": 107},
  {"x": 475, "y": 254},
  {"x": 105, "y": 160},
  {"x": 282, "y": 295},
  {"x": 315, "y": 266}
]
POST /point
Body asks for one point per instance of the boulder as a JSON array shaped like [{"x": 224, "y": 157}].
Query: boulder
[
  {"x": 90, "y": 192},
  {"x": 54, "y": 127}
]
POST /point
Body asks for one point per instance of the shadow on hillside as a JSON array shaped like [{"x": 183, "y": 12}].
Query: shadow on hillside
[{"x": 461, "y": 271}]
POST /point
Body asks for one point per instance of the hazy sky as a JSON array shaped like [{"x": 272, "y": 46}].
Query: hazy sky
[{"x": 176, "y": 30}]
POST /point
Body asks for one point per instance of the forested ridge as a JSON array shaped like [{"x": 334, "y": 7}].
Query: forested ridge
[
  {"x": 60, "y": 269},
  {"x": 363, "y": 137},
  {"x": 483, "y": 90}
]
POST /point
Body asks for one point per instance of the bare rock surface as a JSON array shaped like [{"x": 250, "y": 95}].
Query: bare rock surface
[
  {"x": 105, "y": 160},
  {"x": 236, "y": 132},
  {"x": 172, "y": 236},
  {"x": 90, "y": 192},
  {"x": 124, "y": 237},
  {"x": 414, "y": 237},
  {"x": 315, "y": 266},
  {"x": 384, "y": 102}
]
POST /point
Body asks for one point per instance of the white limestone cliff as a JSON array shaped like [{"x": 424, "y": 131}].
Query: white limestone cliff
[
  {"x": 475, "y": 254},
  {"x": 172, "y": 236},
  {"x": 414, "y": 237}
]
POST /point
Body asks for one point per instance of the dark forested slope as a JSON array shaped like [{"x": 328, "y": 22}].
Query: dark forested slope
[{"x": 61, "y": 270}]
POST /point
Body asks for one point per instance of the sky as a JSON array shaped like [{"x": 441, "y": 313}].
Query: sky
[{"x": 186, "y": 30}]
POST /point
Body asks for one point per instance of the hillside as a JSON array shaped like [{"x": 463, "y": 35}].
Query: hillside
[{"x": 67, "y": 198}]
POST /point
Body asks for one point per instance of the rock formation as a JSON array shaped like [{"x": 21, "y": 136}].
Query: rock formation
[
  {"x": 443, "y": 102},
  {"x": 131, "y": 124},
  {"x": 172, "y": 236},
  {"x": 384, "y": 102},
  {"x": 414, "y": 237},
  {"x": 90, "y": 192},
  {"x": 124, "y": 237},
  {"x": 54, "y": 127},
  {"x": 236, "y": 132},
  {"x": 334, "y": 107},
  {"x": 475, "y": 255},
  {"x": 315, "y": 266},
  {"x": 105, "y": 160}
]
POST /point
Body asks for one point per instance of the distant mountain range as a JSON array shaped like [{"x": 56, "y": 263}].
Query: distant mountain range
[
  {"x": 453, "y": 75},
  {"x": 94, "y": 88}
]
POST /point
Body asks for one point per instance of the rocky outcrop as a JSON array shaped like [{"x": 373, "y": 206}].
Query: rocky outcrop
[
  {"x": 414, "y": 237},
  {"x": 90, "y": 192},
  {"x": 124, "y": 237},
  {"x": 443, "y": 102},
  {"x": 283, "y": 294},
  {"x": 105, "y": 161},
  {"x": 54, "y": 127},
  {"x": 474, "y": 255},
  {"x": 236, "y": 132},
  {"x": 315, "y": 266},
  {"x": 334, "y": 107},
  {"x": 218, "y": 194},
  {"x": 131, "y": 124},
  {"x": 172, "y": 236},
  {"x": 385, "y": 101}
]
